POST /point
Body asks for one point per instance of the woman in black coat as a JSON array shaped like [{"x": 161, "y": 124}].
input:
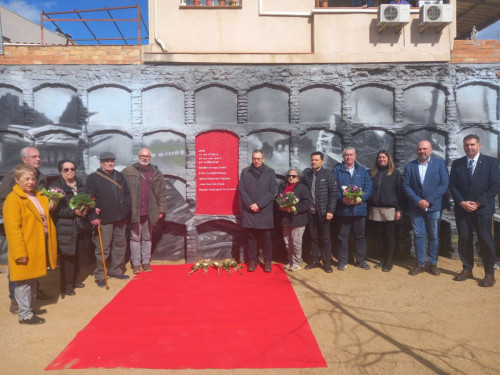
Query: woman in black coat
[
  {"x": 71, "y": 240},
  {"x": 384, "y": 206},
  {"x": 293, "y": 221}
]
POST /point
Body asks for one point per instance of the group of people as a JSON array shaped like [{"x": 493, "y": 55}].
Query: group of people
[
  {"x": 38, "y": 230},
  {"x": 324, "y": 196}
]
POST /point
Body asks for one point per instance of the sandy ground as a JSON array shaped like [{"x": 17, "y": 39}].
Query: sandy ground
[{"x": 365, "y": 322}]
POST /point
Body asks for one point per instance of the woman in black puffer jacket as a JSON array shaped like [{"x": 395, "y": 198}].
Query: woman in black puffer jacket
[
  {"x": 384, "y": 206},
  {"x": 72, "y": 242}
]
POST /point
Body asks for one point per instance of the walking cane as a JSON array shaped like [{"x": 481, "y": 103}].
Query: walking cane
[{"x": 102, "y": 255}]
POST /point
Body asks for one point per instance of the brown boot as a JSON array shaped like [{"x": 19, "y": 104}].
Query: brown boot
[
  {"x": 252, "y": 266},
  {"x": 267, "y": 267}
]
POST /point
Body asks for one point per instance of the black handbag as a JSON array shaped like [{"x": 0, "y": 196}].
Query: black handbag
[{"x": 83, "y": 225}]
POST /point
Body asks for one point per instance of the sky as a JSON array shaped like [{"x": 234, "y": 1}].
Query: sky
[{"x": 31, "y": 9}]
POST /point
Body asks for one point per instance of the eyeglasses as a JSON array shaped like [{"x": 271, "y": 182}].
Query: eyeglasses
[
  {"x": 145, "y": 156},
  {"x": 69, "y": 169},
  {"x": 291, "y": 176}
]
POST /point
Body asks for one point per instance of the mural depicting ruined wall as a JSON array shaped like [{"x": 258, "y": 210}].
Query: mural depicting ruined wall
[{"x": 287, "y": 111}]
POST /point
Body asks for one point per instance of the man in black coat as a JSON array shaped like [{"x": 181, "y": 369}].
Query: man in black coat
[
  {"x": 474, "y": 184},
  {"x": 324, "y": 188},
  {"x": 112, "y": 208},
  {"x": 257, "y": 188}
]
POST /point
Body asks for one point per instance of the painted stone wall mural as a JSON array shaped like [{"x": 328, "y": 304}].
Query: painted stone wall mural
[{"x": 288, "y": 111}]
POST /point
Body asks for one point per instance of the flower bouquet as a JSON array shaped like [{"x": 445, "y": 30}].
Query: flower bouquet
[
  {"x": 54, "y": 194},
  {"x": 287, "y": 202},
  {"x": 352, "y": 193},
  {"x": 203, "y": 264},
  {"x": 229, "y": 265},
  {"x": 81, "y": 202}
]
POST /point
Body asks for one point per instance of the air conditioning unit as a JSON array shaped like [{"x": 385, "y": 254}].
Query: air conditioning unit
[
  {"x": 435, "y": 15},
  {"x": 393, "y": 15}
]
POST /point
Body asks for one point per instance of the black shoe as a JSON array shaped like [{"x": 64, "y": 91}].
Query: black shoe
[
  {"x": 14, "y": 308},
  {"x": 379, "y": 265},
  {"x": 327, "y": 268},
  {"x": 40, "y": 312},
  {"x": 79, "y": 285},
  {"x": 33, "y": 320},
  {"x": 310, "y": 266},
  {"x": 101, "y": 283},
  {"x": 42, "y": 296},
  {"x": 267, "y": 267},
  {"x": 363, "y": 265},
  {"x": 416, "y": 270},
  {"x": 386, "y": 268},
  {"x": 464, "y": 275},
  {"x": 70, "y": 293},
  {"x": 433, "y": 270},
  {"x": 252, "y": 266},
  {"x": 121, "y": 277}
]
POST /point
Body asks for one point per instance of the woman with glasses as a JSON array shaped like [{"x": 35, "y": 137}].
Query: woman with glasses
[
  {"x": 384, "y": 206},
  {"x": 73, "y": 236},
  {"x": 293, "y": 219}
]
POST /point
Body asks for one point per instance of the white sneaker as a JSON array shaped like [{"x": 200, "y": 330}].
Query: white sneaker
[
  {"x": 295, "y": 268},
  {"x": 286, "y": 266}
]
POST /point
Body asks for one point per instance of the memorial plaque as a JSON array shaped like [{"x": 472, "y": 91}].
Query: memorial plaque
[{"x": 217, "y": 173}]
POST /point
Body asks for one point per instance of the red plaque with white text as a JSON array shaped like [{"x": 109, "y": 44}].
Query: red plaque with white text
[{"x": 217, "y": 173}]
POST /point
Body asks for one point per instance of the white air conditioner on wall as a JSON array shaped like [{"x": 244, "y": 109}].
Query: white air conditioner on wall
[
  {"x": 393, "y": 15},
  {"x": 435, "y": 15}
]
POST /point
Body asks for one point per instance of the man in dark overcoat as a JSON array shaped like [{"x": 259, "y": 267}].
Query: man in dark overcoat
[{"x": 257, "y": 188}]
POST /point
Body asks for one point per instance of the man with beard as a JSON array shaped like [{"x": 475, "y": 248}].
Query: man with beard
[
  {"x": 425, "y": 182},
  {"x": 149, "y": 204},
  {"x": 257, "y": 190}
]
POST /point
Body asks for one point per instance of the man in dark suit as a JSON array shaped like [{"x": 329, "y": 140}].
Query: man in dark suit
[
  {"x": 474, "y": 184},
  {"x": 425, "y": 182}
]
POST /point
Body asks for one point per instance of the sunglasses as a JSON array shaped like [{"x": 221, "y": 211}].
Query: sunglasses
[
  {"x": 69, "y": 169},
  {"x": 291, "y": 176}
]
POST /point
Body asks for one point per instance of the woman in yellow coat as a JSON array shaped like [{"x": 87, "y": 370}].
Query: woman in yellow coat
[{"x": 31, "y": 240}]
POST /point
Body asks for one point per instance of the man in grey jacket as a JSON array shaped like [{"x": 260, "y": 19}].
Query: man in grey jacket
[
  {"x": 257, "y": 190},
  {"x": 149, "y": 204}
]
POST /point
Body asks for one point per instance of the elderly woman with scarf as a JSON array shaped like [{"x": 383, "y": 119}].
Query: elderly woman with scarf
[{"x": 293, "y": 219}]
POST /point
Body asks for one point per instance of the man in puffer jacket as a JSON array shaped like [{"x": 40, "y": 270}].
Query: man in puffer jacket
[{"x": 351, "y": 214}]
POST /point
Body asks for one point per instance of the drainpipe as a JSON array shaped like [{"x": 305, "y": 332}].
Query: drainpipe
[{"x": 158, "y": 41}]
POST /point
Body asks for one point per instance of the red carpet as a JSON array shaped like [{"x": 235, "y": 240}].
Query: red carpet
[{"x": 163, "y": 320}]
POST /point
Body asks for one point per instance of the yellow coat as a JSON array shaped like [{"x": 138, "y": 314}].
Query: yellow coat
[{"x": 26, "y": 237}]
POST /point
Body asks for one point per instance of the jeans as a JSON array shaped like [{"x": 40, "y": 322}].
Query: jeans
[
  {"x": 293, "y": 243},
  {"x": 426, "y": 224},
  {"x": 357, "y": 225},
  {"x": 140, "y": 242}
]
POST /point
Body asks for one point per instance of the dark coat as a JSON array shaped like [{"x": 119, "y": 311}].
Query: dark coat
[
  {"x": 64, "y": 217},
  {"x": 386, "y": 190},
  {"x": 300, "y": 219},
  {"x": 114, "y": 203},
  {"x": 483, "y": 187},
  {"x": 262, "y": 191},
  {"x": 326, "y": 189},
  {"x": 435, "y": 185},
  {"x": 360, "y": 178}
]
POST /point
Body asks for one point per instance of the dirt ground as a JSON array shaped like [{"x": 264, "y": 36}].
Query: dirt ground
[{"x": 365, "y": 322}]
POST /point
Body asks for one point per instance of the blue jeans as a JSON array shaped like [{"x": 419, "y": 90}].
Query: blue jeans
[{"x": 426, "y": 224}]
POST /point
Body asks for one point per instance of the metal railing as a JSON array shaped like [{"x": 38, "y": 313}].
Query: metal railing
[{"x": 46, "y": 17}]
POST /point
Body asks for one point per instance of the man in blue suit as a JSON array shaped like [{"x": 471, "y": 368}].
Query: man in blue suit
[
  {"x": 425, "y": 182},
  {"x": 474, "y": 184}
]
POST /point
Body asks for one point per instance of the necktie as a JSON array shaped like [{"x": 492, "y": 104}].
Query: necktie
[{"x": 471, "y": 167}]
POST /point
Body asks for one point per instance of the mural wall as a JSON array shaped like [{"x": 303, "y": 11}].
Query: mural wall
[{"x": 287, "y": 111}]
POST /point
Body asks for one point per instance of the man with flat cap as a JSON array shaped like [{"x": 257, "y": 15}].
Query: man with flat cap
[{"x": 112, "y": 202}]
